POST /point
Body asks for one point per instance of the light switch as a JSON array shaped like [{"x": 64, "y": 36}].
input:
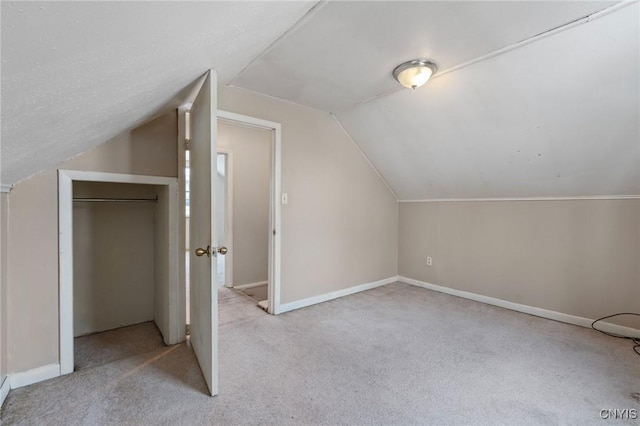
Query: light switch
[{"x": 285, "y": 198}]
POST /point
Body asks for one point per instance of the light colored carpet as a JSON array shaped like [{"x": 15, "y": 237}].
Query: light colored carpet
[
  {"x": 108, "y": 346},
  {"x": 392, "y": 355},
  {"x": 235, "y": 309}
]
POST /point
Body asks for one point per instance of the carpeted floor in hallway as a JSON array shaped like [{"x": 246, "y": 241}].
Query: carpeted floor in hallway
[
  {"x": 258, "y": 293},
  {"x": 396, "y": 354}
]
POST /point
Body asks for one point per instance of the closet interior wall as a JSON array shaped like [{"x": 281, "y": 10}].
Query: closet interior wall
[{"x": 118, "y": 249}]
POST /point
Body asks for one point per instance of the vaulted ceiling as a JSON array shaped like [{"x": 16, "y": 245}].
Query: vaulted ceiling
[
  {"x": 75, "y": 74},
  {"x": 530, "y": 100}
]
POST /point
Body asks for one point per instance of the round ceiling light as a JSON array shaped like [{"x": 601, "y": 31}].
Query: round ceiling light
[{"x": 416, "y": 73}]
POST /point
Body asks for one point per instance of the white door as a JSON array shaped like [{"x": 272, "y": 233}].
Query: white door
[{"x": 202, "y": 236}]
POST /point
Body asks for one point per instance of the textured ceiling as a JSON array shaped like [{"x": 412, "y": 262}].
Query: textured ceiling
[
  {"x": 556, "y": 117},
  {"x": 75, "y": 74}
]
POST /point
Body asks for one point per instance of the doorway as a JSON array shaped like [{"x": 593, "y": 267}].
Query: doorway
[
  {"x": 225, "y": 166},
  {"x": 267, "y": 136},
  {"x": 244, "y": 176},
  {"x": 113, "y": 288},
  {"x": 103, "y": 207}
]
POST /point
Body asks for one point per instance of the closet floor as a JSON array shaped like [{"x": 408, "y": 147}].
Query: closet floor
[{"x": 101, "y": 348}]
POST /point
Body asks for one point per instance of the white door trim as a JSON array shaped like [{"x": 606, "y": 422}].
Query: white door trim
[
  {"x": 65, "y": 250},
  {"x": 275, "y": 238},
  {"x": 228, "y": 215}
]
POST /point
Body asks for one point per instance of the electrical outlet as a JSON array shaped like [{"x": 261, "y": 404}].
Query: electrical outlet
[{"x": 429, "y": 261}]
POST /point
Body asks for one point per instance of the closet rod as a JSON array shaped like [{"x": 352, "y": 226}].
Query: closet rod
[{"x": 117, "y": 200}]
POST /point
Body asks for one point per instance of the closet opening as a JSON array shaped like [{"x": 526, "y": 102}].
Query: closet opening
[{"x": 118, "y": 267}]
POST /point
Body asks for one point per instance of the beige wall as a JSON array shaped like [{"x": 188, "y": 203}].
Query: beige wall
[
  {"x": 578, "y": 257},
  {"x": 33, "y": 240},
  {"x": 338, "y": 230},
  {"x": 3, "y": 286},
  {"x": 251, "y": 153},
  {"x": 113, "y": 257},
  {"x": 340, "y": 226}
]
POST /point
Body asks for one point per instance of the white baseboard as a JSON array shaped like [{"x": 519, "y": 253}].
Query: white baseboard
[
  {"x": 4, "y": 390},
  {"x": 286, "y": 307},
  {"x": 250, "y": 285},
  {"x": 531, "y": 310},
  {"x": 25, "y": 378}
]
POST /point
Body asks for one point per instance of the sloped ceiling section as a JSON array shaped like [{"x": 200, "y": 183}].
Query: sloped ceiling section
[
  {"x": 75, "y": 74},
  {"x": 557, "y": 117},
  {"x": 345, "y": 52}
]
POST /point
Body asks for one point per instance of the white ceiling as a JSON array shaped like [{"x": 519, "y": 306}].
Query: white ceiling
[
  {"x": 75, "y": 74},
  {"x": 557, "y": 117},
  {"x": 345, "y": 52}
]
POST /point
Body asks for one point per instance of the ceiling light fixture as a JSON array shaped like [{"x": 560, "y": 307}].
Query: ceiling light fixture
[{"x": 413, "y": 74}]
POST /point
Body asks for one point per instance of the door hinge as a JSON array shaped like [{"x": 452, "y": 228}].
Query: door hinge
[
  {"x": 274, "y": 232},
  {"x": 187, "y": 330},
  {"x": 187, "y": 144}
]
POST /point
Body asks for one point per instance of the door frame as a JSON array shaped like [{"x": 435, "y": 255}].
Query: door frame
[
  {"x": 65, "y": 250},
  {"x": 228, "y": 217},
  {"x": 275, "y": 210}
]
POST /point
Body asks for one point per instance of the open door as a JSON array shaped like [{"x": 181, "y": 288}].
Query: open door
[{"x": 202, "y": 235}]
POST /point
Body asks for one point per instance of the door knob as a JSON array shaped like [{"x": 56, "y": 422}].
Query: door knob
[
  {"x": 223, "y": 250},
  {"x": 201, "y": 251}
]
